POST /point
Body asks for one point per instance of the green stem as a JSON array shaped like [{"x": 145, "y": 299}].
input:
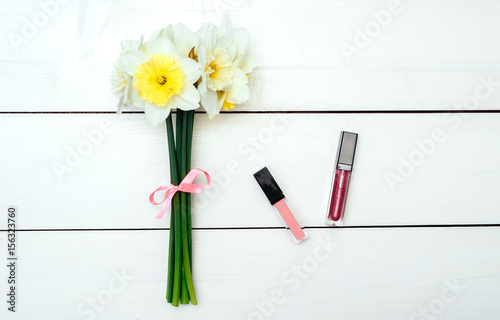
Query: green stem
[
  {"x": 185, "y": 234},
  {"x": 187, "y": 267},
  {"x": 171, "y": 254},
  {"x": 177, "y": 227},
  {"x": 182, "y": 170},
  {"x": 181, "y": 160},
  {"x": 178, "y": 254},
  {"x": 188, "y": 165},
  {"x": 173, "y": 176},
  {"x": 180, "y": 285}
]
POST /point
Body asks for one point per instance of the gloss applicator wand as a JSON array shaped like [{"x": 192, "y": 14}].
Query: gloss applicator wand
[
  {"x": 278, "y": 201},
  {"x": 341, "y": 178}
]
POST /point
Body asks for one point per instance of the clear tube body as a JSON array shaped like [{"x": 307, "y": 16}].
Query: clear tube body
[
  {"x": 288, "y": 217},
  {"x": 338, "y": 197}
]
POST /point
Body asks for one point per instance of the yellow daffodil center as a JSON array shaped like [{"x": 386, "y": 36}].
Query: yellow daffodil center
[
  {"x": 158, "y": 79},
  {"x": 218, "y": 69},
  {"x": 227, "y": 105},
  {"x": 119, "y": 80}
]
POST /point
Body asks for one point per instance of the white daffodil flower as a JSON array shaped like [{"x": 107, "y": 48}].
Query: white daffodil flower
[
  {"x": 121, "y": 82},
  {"x": 216, "y": 57},
  {"x": 241, "y": 38},
  {"x": 163, "y": 78},
  {"x": 224, "y": 59},
  {"x": 181, "y": 35},
  {"x": 237, "y": 93}
]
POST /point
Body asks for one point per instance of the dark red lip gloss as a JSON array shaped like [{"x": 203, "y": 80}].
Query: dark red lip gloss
[{"x": 341, "y": 178}]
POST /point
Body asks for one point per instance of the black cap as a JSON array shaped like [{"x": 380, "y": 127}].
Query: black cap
[
  {"x": 346, "y": 150},
  {"x": 269, "y": 185}
]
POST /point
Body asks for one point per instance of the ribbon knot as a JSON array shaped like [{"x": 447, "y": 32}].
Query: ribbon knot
[{"x": 186, "y": 185}]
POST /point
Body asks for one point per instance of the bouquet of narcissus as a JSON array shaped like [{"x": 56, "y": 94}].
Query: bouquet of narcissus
[{"x": 179, "y": 69}]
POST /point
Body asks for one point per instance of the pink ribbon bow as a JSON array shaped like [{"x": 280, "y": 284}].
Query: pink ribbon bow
[{"x": 185, "y": 186}]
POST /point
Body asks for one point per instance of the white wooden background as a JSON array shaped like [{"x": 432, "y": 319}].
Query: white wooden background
[{"x": 424, "y": 247}]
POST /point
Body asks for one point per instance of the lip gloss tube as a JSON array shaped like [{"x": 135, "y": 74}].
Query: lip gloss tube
[
  {"x": 341, "y": 178},
  {"x": 278, "y": 201}
]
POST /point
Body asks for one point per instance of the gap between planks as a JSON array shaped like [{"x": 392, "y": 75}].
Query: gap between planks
[
  {"x": 496, "y": 225},
  {"x": 269, "y": 112}
]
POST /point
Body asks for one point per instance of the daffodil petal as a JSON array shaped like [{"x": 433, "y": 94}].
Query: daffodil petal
[
  {"x": 246, "y": 63},
  {"x": 227, "y": 43},
  {"x": 163, "y": 45},
  {"x": 202, "y": 54},
  {"x": 128, "y": 45},
  {"x": 156, "y": 114},
  {"x": 226, "y": 26},
  {"x": 135, "y": 99},
  {"x": 222, "y": 97},
  {"x": 120, "y": 104},
  {"x": 202, "y": 60},
  {"x": 124, "y": 99},
  {"x": 191, "y": 70},
  {"x": 184, "y": 39},
  {"x": 210, "y": 102},
  {"x": 238, "y": 96},
  {"x": 168, "y": 32},
  {"x": 209, "y": 34},
  {"x": 239, "y": 79},
  {"x": 190, "y": 94},
  {"x": 241, "y": 37},
  {"x": 202, "y": 86},
  {"x": 131, "y": 60},
  {"x": 182, "y": 104}
]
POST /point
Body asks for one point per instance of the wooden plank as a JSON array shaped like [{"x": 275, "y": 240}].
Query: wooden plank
[
  {"x": 415, "y": 34},
  {"x": 408, "y": 66},
  {"x": 366, "y": 273},
  {"x": 409, "y": 169},
  {"x": 272, "y": 89}
]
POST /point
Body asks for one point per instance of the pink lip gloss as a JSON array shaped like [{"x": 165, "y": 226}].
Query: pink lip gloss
[
  {"x": 278, "y": 201},
  {"x": 341, "y": 178}
]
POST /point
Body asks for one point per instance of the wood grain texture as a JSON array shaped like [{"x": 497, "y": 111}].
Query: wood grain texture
[
  {"x": 413, "y": 171},
  {"x": 427, "y": 57},
  {"x": 394, "y": 182},
  {"x": 376, "y": 274}
]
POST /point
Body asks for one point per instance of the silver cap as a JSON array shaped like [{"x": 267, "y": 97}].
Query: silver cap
[{"x": 346, "y": 150}]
